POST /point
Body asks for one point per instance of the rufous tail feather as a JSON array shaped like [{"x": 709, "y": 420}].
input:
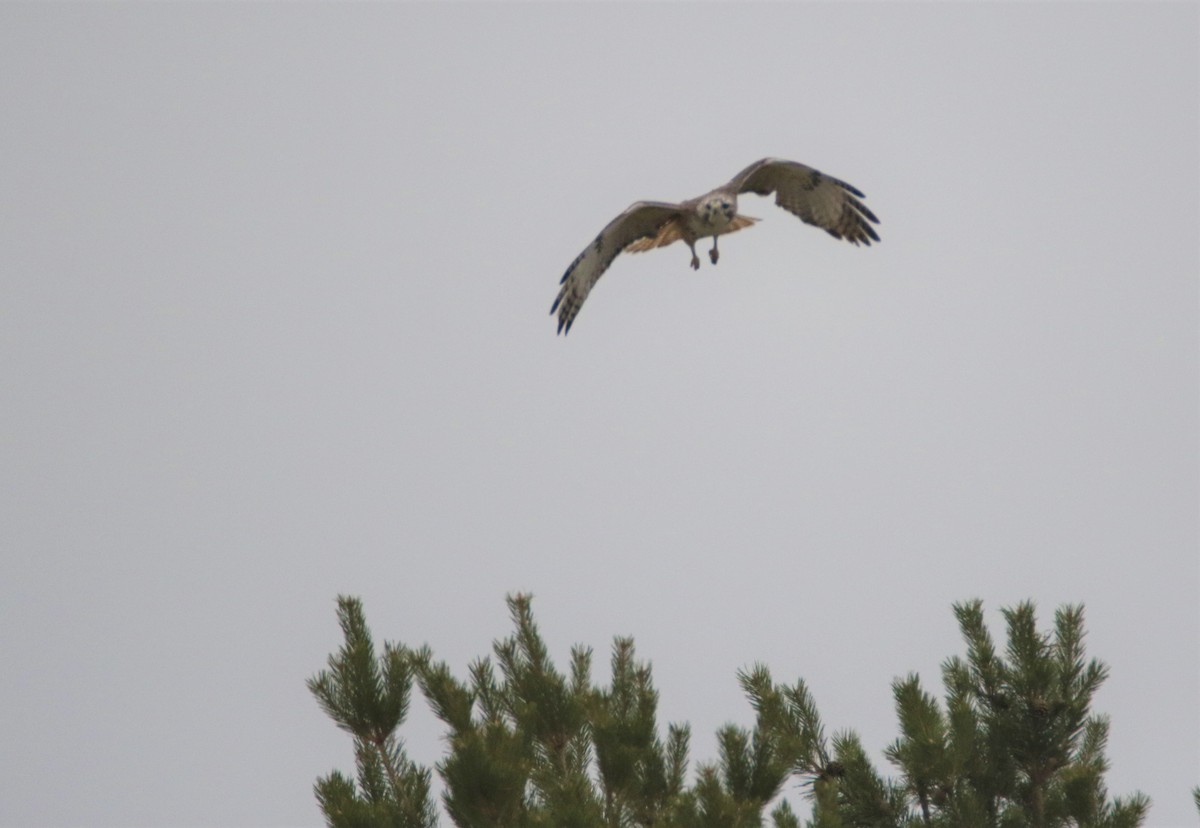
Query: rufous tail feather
[{"x": 672, "y": 232}]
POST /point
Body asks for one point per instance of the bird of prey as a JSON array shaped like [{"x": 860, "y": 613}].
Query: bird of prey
[{"x": 818, "y": 199}]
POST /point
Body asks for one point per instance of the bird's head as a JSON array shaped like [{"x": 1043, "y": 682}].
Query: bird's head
[{"x": 718, "y": 209}]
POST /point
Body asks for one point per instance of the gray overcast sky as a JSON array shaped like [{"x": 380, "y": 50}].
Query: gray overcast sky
[{"x": 274, "y": 327}]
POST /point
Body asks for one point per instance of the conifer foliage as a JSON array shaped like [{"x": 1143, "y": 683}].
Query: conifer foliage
[
  {"x": 368, "y": 698},
  {"x": 1014, "y": 743}
]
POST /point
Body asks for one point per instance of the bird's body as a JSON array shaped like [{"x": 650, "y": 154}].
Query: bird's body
[{"x": 816, "y": 198}]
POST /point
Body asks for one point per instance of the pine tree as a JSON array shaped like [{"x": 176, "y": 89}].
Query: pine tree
[
  {"x": 369, "y": 698},
  {"x": 1013, "y": 744}
]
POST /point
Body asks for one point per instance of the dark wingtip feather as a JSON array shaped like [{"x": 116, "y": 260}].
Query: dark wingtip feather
[
  {"x": 565, "y": 319},
  {"x": 850, "y": 188},
  {"x": 866, "y": 211},
  {"x": 571, "y": 267}
]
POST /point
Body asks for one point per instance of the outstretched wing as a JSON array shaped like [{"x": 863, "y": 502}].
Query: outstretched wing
[
  {"x": 642, "y": 220},
  {"x": 818, "y": 199}
]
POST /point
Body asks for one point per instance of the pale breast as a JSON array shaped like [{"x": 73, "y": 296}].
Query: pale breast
[{"x": 713, "y": 216}]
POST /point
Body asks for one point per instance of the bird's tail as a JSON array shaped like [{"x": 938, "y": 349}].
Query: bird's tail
[
  {"x": 672, "y": 232},
  {"x": 740, "y": 222},
  {"x": 669, "y": 233}
]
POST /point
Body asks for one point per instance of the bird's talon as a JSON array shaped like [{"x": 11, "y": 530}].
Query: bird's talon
[
  {"x": 695, "y": 262},
  {"x": 712, "y": 254}
]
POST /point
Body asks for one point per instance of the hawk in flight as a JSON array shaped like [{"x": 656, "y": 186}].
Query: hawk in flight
[{"x": 816, "y": 198}]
